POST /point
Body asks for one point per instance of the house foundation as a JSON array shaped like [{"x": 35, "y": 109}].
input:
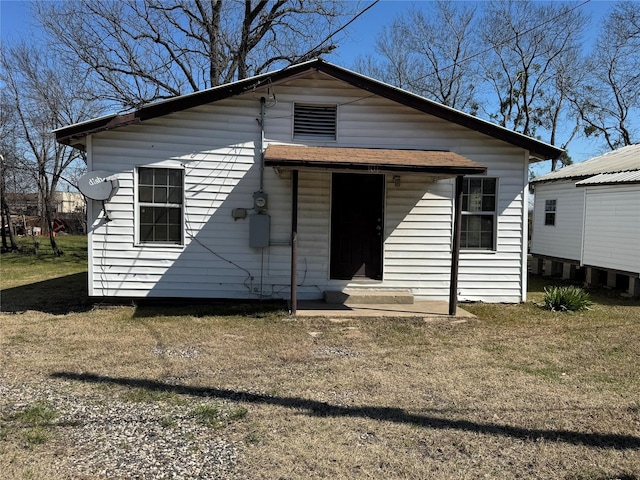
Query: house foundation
[
  {"x": 557, "y": 267},
  {"x": 626, "y": 282}
]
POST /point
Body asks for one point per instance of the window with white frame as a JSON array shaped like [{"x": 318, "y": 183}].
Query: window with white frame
[
  {"x": 160, "y": 205},
  {"x": 550, "y": 212},
  {"x": 479, "y": 213}
]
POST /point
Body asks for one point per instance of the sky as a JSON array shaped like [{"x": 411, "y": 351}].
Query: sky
[{"x": 16, "y": 22}]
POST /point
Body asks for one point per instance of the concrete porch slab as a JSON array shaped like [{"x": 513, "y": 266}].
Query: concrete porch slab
[
  {"x": 352, "y": 296},
  {"x": 428, "y": 310}
]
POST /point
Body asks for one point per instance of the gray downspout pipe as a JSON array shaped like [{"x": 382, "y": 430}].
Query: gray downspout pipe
[
  {"x": 294, "y": 241},
  {"x": 455, "y": 251}
]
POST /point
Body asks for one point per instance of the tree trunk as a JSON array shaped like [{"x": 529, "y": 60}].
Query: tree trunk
[
  {"x": 6, "y": 216},
  {"x": 243, "y": 48},
  {"x": 52, "y": 239},
  {"x": 4, "y": 234}
]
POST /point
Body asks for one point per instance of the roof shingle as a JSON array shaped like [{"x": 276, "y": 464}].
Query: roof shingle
[{"x": 427, "y": 161}]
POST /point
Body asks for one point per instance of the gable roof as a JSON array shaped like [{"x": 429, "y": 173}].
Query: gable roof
[
  {"x": 625, "y": 159},
  {"x": 74, "y": 134}
]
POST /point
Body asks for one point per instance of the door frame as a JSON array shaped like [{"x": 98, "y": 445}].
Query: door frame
[{"x": 382, "y": 211}]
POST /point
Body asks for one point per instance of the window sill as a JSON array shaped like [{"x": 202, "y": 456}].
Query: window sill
[
  {"x": 159, "y": 245},
  {"x": 467, "y": 251}
]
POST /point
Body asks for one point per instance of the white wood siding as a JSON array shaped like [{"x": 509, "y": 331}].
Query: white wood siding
[
  {"x": 612, "y": 227},
  {"x": 217, "y": 144},
  {"x": 564, "y": 239}
]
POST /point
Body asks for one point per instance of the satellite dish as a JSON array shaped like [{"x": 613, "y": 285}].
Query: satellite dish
[{"x": 98, "y": 185}]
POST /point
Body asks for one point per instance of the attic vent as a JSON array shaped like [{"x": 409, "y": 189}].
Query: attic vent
[{"x": 314, "y": 121}]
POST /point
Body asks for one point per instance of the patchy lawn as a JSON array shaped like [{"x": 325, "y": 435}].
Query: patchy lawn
[{"x": 518, "y": 393}]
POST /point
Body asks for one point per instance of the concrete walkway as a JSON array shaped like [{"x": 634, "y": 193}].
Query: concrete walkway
[{"x": 427, "y": 310}]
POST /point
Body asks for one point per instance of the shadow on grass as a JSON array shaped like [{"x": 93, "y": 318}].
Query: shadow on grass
[
  {"x": 69, "y": 294},
  {"x": 388, "y": 414},
  {"x": 153, "y": 307},
  {"x": 59, "y": 296}
]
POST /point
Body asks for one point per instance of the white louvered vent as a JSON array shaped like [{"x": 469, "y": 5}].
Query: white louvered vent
[{"x": 314, "y": 121}]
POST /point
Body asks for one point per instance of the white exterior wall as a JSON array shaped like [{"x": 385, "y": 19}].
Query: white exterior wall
[
  {"x": 564, "y": 239},
  {"x": 612, "y": 227},
  {"x": 217, "y": 147}
]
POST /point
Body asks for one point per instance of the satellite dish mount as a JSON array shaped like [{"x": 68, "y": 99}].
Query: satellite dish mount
[{"x": 100, "y": 186}]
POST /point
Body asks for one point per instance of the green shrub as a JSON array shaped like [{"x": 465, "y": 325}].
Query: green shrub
[{"x": 566, "y": 299}]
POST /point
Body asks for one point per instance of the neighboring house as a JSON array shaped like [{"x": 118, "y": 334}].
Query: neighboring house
[
  {"x": 587, "y": 221},
  {"x": 349, "y": 179},
  {"x": 27, "y": 212},
  {"x": 23, "y": 203},
  {"x": 68, "y": 202},
  {"x": 29, "y": 203}
]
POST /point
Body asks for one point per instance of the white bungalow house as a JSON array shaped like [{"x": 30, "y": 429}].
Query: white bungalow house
[
  {"x": 586, "y": 222},
  {"x": 307, "y": 180}
]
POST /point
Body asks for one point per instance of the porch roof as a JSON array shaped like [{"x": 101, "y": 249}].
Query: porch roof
[{"x": 368, "y": 159}]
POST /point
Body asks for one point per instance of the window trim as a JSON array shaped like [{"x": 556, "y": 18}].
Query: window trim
[
  {"x": 549, "y": 211},
  {"x": 137, "y": 204},
  {"x": 493, "y": 214}
]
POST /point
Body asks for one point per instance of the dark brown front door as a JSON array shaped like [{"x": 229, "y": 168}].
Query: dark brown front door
[{"x": 357, "y": 205}]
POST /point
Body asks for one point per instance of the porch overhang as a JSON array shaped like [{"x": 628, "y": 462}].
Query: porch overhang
[
  {"x": 379, "y": 160},
  {"x": 374, "y": 160}
]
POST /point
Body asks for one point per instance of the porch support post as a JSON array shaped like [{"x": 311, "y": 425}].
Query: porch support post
[
  {"x": 455, "y": 250},
  {"x": 294, "y": 241}
]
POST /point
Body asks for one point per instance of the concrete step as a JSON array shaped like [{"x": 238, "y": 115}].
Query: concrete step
[{"x": 368, "y": 297}]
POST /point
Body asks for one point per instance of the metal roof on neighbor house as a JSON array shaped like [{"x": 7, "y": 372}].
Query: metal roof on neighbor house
[
  {"x": 612, "y": 179},
  {"x": 372, "y": 159},
  {"x": 624, "y": 159},
  {"x": 74, "y": 134}
]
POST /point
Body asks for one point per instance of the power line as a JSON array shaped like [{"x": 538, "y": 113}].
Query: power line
[
  {"x": 332, "y": 34},
  {"x": 506, "y": 42},
  {"x": 470, "y": 57}
]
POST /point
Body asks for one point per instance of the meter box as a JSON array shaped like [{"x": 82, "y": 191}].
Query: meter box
[
  {"x": 260, "y": 202},
  {"x": 259, "y": 225}
]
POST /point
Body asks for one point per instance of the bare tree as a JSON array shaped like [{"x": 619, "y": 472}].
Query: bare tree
[
  {"x": 446, "y": 44},
  {"x": 609, "y": 99},
  {"x": 5, "y": 212},
  {"x": 40, "y": 97},
  {"x": 8, "y": 170},
  {"x": 145, "y": 50},
  {"x": 394, "y": 62},
  {"x": 531, "y": 64},
  {"x": 431, "y": 55}
]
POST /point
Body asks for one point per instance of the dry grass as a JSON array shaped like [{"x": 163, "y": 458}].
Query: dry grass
[{"x": 518, "y": 393}]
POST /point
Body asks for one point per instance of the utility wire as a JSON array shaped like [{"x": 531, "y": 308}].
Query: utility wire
[
  {"x": 506, "y": 42},
  {"x": 332, "y": 34},
  {"x": 466, "y": 59}
]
